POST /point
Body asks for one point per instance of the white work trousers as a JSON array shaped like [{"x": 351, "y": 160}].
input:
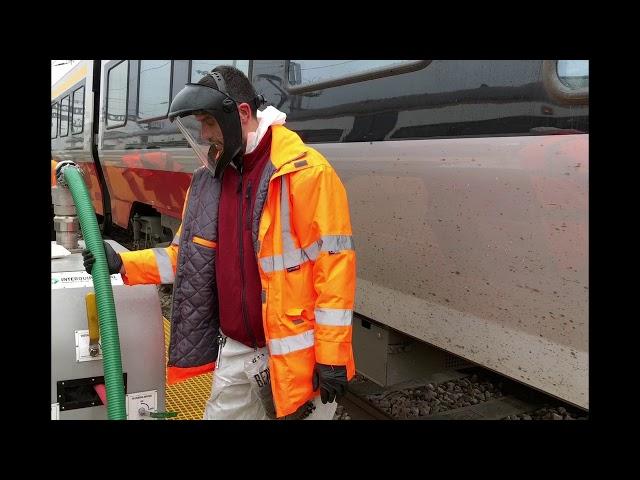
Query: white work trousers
[{"x": 232, "y": 397}]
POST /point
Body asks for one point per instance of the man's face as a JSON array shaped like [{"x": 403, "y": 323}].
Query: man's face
[
  {"x": 209, "y": 129},
  {"x": 211, "y": 132}
]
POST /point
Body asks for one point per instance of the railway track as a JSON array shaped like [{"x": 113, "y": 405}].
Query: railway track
[
  {"x": 360, "y": 409},
  {"x": 479, "y": 395}
]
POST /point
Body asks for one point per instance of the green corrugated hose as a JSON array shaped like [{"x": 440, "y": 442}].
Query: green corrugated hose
[{"x": 110, "y": 342}]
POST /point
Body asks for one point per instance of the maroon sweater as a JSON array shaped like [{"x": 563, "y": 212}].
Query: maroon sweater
[{"x": 239, "y": 288}]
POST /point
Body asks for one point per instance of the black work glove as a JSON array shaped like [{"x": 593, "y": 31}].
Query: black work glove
[
  {"x": 114, "y": 262},
  {"x": 332, "y": 380}
]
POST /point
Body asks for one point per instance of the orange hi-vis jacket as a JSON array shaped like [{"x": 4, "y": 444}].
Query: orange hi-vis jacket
[{"x": 307, "y": 266}]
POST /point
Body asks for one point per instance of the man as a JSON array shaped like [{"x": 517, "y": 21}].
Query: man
[{"x": 263, "y": 262}]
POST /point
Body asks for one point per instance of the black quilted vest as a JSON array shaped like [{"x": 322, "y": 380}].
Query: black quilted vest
[
  {"x": 194, "y": 315},
  {"x": 195, "y": 318}
]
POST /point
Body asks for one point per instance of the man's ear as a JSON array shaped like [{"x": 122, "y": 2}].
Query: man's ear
[{"x": 245, "y": 112}]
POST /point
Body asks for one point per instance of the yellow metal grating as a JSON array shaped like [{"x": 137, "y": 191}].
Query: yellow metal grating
[{"x": 188, "y": 397}]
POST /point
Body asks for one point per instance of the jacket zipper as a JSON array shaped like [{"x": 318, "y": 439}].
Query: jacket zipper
[
  {"x": 249, "y": 210},
  {"x": 241, "y": 249},
  {"x": 221, "y": 341}
]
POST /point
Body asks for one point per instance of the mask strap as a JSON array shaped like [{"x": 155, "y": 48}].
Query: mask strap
[
  {"x": 222, "y": 87},
  {"x": 259, "y": 101}
]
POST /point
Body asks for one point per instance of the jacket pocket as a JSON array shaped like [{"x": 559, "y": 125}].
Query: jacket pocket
[
  {"x": 294, "y": 315},
  {"x": 204, "y": 242}
]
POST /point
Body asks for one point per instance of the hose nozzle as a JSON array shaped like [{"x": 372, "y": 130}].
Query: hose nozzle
[{"x": 60, "y": 168}]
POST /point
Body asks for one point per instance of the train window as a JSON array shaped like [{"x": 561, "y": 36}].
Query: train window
[
  {"x": 310, "y": 75},
  {"x": 574, "y": 73},
  {"x": 117, "y": 94},
  {"x": 566, "y": 81},
  {"x": 54, "y": 120},
  {"x": 77, "y": 119},
  {"x": 64, "y": 116},
  {"x": 154, "y": 89},
  {"x": 201, "y": 67}
]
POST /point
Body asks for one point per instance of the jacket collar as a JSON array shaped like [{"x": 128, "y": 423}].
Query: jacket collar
[{"x": 286, "y": 148}]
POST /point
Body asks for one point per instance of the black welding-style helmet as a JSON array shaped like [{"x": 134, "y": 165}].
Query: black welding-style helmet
[{"x": 198, "y": 99}]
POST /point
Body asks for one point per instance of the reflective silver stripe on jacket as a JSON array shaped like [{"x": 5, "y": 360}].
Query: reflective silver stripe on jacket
[
  {"x": 327, "y": 243},
  {"x": 334, "y": 317},
  {"x": 291, "y": 255},
  {"x": 164, "y": 265},
  {"x": 293, "y": 343}
]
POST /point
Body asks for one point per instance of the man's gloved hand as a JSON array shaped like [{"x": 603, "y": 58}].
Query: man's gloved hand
[
  {"x": 332, "y": 380},
  {"x": 114, "y": 262}
]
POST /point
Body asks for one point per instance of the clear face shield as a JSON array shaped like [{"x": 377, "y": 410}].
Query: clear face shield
[
  {"x": 208, "y": 152},
  {"x": 209, "y": 120}
]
